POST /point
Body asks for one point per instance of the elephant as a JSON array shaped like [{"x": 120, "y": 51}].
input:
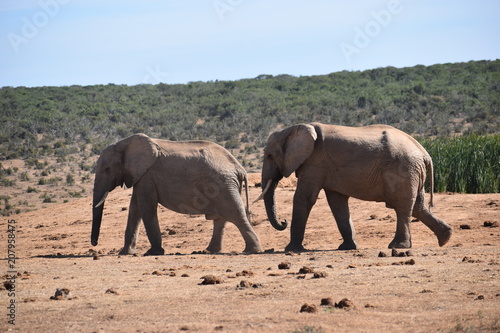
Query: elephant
[
  {"x": 190, "y": 177},
  {"x": 373, "y": 163}
]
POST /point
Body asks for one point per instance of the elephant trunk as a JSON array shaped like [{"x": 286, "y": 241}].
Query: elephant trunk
[
  {"x": 270, "y": 204},
  {"x": 97, "y": 209}
]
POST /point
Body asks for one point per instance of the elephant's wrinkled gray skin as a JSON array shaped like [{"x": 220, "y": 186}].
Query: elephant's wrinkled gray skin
[
  {"x": 192, "y": 177},
  {"x": 373, "y": 163}
]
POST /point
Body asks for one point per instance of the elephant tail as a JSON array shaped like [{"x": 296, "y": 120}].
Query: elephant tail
[
  {"x": 247, "y": 208},
  {"x": 429, "y": 166}
]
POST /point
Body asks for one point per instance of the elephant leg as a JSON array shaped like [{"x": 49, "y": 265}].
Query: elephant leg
[
  {"x": 440, "y": 228},
  {"x": 148, "y": 207},
  {"x": 134, "y": 217},
  {"x": 252, "y": 242},
  {"x": 215, "y": 245},
  {"x": 339, "y": 204},
  {"x": 304, "y": 199},
  {"x": 402, "y": 239}
]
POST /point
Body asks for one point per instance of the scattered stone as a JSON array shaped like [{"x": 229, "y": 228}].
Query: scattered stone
[
  {"x": 285, "y": 265},
  {"x": 306, "y": 270},
  {"x": 368, "y": 305},
  {"x": 211, "y": 279},
  {"x": 319, "y": 275},
  {"x": 490, "y": 224},
  {"x": 373, "y": 217},
  {"x": 244, "y": 284},
  {"x": 396, "y": 253},
  {"x": 426, "y": 291},
  {"x": 62, "y": 294},
  {"x": 470, "y": 260},
  {"x": 345, "y": 303},
  {"x": 382, "y": 254},
  {"x": 8, "y": 285},
  {"x": 185, "y": 275},
  {"x": 407, "y": 262},
  {"x": 269, "y": 250},
  {"x": 479, "y": 298},
  {"x": 112, "y": 291},
  {"x": 309, "y": 308},
  {"x": 245, "y": 273},
  {"x": 465, "y": 226},
  {"x": 96, "y": 257},
  {"x": 327, "y": 302},
  {"x": 492, "y": 203},
  {"x": 29, "y": 300}
]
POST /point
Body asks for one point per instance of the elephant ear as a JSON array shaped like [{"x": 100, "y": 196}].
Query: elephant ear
[
  {"x": 299, "y": 145},
  {"x": 139, "y": 154}
]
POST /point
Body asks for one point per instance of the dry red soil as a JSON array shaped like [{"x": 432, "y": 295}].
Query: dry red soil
[{"x": 455, "y": 288}]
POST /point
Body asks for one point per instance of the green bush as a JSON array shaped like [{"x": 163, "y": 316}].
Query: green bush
[{"x": 465, "y": 164}]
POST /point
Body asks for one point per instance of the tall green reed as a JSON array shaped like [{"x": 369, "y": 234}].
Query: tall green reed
[{"x": 465, "y": 164}]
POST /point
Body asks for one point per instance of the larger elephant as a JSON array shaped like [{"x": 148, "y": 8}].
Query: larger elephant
[
  {"x": 373, "y": 163},
  {"x": 191, "y": 177}
]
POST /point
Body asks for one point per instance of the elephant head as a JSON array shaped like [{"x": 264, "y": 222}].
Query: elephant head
[
  {"x": 284, "y": 153},
  {"x": 122, "y": 163}
]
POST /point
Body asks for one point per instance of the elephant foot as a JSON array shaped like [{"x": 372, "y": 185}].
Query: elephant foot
[
  {"x": 212, "y": 250},
  {"x": 252, "y": 249},
  {"x": 406, "y": 244},
  {"x": 127, "y": 251},
  {"x": 295, "y": 248},
  {"x": 351, "y": 245},
  {"x": 444, "y": 236},
  {"x": 155, "y": 252}
]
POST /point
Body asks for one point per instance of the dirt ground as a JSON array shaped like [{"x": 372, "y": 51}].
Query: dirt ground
[{"x": 455, "y": 288}]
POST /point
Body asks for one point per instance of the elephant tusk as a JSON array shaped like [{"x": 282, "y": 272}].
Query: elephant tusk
[
  {"x": 268, "y": 185},
  {"x": 102, "y": 200}
]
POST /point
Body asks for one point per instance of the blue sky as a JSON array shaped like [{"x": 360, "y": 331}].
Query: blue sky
[{"x": 86, "y": 42}]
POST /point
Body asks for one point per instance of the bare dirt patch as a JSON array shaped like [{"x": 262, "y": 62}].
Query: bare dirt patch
[{"x": 455, "y": 288}]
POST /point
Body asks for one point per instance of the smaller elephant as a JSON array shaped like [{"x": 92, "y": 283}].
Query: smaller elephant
[
  {"x": 190, "y": 177},
  {"x": 372, "y": 163}
]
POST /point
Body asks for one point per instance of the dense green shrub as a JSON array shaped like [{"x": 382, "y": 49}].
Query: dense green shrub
[{"x": 465, "y": 164}]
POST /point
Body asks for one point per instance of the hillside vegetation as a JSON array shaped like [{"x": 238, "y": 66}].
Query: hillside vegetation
[{"x": 63, "y": 129}]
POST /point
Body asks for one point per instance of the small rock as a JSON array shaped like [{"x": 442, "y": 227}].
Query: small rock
[
  {"x": 245, "y": 273},
  {"x": 410, "y": 262},
  {"x": 8, "y": 285},
  {"x": 490, "y": 224},
  {"x": 285, "y": 265},
  {"x": 306, "y": 270},
  {"x": 345, "y": 303},
  {"x": 465, "y": 226},
  {"x": 269, "y": 250},
  {"x": 244, "y": 284},
  {"x": 426, "y": 291},
  {"x": 319, "y": 275},
  {"x": 327, "y": 302},
  {"x": 396, "y": 253},
  {"x": 309, "y": 308},
  {"x": 96, "y": 257},
  {"x": 382, "y": 254},
  {"x": 479, "y": 298},
  {"x": 211, "y": 279},
  {"x": 61, "y": 294},
  {"x": 112, "y": 291}
]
